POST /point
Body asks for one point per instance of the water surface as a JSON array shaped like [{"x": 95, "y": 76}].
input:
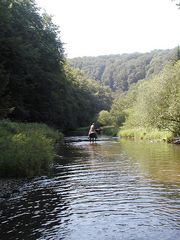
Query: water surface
[{"x": 106, "y": 190}]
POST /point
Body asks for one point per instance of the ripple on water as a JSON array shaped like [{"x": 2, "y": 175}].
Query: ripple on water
[{"x": 105, "y": 194}]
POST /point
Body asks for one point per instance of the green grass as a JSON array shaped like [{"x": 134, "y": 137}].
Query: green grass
[
  {"x": 26, "y": 150},
  {"x": 145, "y": 133}
]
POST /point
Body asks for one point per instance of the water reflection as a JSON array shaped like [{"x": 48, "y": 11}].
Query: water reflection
[
  {"x": 159, "y": 160},
  {"x": 105, "y": 190},
  {"x": 29, "y": 216}
]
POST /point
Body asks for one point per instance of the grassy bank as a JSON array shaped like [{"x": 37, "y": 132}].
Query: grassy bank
[
  {"x": 26, "y": 150},
  {"x": 146, "y": 134}
]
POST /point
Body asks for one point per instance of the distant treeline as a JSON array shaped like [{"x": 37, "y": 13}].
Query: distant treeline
[{"x": 120, "y": 71}]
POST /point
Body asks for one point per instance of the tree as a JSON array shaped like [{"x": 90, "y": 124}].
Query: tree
[
  {"x": 84, "y": 98},
  {"x": 158, "y": 102},
  {"x": 104, "y": 118},
  {"x": 32, "y": 56},
  {"x": 119, "y": 72}
]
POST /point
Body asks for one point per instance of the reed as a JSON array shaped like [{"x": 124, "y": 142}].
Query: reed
[{"x": 26, "y": 150}]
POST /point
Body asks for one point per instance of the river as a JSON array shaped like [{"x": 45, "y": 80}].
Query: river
[{"x": 100, "y": 191}]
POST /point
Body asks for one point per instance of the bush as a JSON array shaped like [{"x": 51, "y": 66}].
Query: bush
[
  {"x": 104, "y": 118},
  {"x": 26, "y": 150}
]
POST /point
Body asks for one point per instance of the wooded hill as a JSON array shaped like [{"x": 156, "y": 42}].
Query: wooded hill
[
  {"x": 36, "y": 83},
  {"x": 120, "y": 71}
]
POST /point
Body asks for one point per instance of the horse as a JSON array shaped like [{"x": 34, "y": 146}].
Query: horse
[{"x": 93, "y": 137}]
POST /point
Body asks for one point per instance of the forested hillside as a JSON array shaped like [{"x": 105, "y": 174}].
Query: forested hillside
[
  {"x": 148, "y": 107},
  {"x": 120, "y": 71},
  {"x": 36, "y": 84}
]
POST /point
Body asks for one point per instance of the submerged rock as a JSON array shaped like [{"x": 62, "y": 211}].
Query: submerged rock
[
  {"x": 9, "y": 187},
  {"x": 175, "y": 140}
]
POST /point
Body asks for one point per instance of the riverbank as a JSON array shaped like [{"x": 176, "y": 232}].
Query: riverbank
[
  {"x": 133, "y": 133},
  {"x": 146, "y": 134},
  {"x": 26, "y": 149},
  {"x": 106, "y": 130}
]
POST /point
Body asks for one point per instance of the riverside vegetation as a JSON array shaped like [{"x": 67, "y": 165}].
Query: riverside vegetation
[
  {"x": 146, "y": 91},
  {"x": 26, "y": 149},
  {"x": 150, "y": 109},
  {"x": 133, "y": 93},
  {"x": 38, "y": 86}
]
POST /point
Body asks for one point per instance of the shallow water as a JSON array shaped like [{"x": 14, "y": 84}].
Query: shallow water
[{"x": 106, "y": 190}]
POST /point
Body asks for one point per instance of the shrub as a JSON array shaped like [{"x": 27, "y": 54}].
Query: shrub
[
  {"x": 104, "y": 118},
  {"x": 26, "y": 150}
]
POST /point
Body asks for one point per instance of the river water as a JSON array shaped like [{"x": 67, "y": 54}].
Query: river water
[{"x": 106, "y": 190}]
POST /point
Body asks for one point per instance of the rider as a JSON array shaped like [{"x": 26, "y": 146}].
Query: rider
[
  {"x": 92, "y": 129},
  {"x": 92, "y": 132}
]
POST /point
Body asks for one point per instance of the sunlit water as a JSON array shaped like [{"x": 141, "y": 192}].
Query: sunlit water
[{"x": 109, "y": 190}]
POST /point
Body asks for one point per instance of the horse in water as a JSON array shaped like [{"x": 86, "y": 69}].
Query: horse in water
[
  {"x": 93, "y": 133},
  {"x": 92, "y": 137}
]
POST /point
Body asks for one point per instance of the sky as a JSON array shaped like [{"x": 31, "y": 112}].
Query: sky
[{"x": 102, "y": 27}]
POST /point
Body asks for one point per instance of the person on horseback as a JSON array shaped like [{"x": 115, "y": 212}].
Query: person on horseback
[{"x": 92, "y": 133}]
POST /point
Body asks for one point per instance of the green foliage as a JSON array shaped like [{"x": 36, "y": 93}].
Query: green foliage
[
  {"x": 26, "y": 150},
  {"x": 158, "y": 101},
  {"x": 122, "y": 105},
  {"x": 84, "y": 98},
  {"x": 31, "y": 61},
  {"x": 153, "y": 104},
  {"x": 36, "y": 85},
  {"x": 119, "y": 72},
  {"x": 118, "y": 111},
  {"x": 145, "y": 134},
  {"x": 109, "y": 130},
  {"x": 104, "y": 118}
]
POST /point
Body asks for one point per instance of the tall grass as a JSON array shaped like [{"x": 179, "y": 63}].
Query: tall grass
[
  {"x": 26, "y": 150},
  {"x": 145, "y": 133}
]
